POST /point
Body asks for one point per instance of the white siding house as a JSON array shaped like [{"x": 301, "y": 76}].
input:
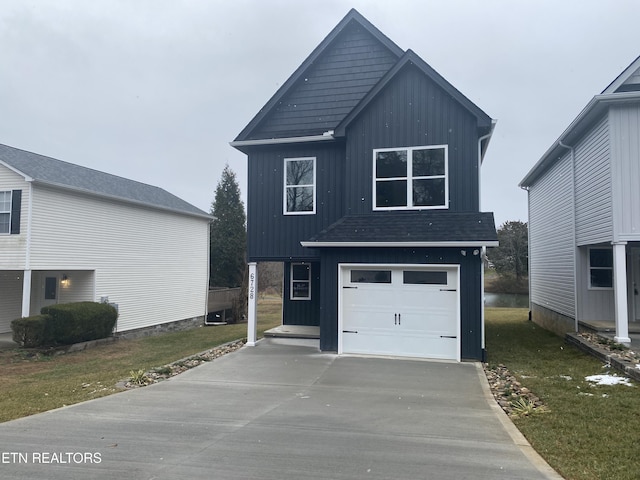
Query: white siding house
[
  {"x": 584, "y": 217},
  {"x": 70, "y": 233}
]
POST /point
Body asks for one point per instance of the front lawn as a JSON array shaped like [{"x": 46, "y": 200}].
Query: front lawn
[
  {"x": 588, "y": 431},
  {"x": 36, "y": 383}
]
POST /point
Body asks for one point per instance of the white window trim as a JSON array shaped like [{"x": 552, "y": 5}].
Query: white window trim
[
  {"x": 291, "y": 297},
  {"x": 285, "y": 186},
  {"x": 10, "y": 192},
  {"x": 589, "y": 267},
  {"x": 409, "y": 178}
]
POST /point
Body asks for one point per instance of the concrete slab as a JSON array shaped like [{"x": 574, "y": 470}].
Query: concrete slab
[
  {"x": 281, "y": 410},
  {"x": 293, "y": 331}
]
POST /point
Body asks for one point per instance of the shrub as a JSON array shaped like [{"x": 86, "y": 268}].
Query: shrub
[
  {"x": 34, "y": 331},
  {"x": 81, "y": 321}
]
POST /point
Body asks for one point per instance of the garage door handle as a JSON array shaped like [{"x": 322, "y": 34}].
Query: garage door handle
[
  {"x": 349, "y": 287},
  {"x": 448, "y": 336},
  {"x": 448, "y": 290},
  {"x": 349, "y": 331}
]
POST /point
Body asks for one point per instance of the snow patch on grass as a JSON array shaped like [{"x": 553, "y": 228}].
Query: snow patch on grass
[{"x": 608, "y": 380}]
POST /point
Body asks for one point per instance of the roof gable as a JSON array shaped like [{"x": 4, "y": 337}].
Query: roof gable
[
  {"x": 627, "y": 81},
  {"x": 410, "y": 58},
  {"x": 328, "y": 84},
  {"x": 56, "y": 173}
]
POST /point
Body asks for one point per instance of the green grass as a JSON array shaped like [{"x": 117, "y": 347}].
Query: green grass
[
  {"x": 30, "y": 385},
  {"x": 589, "y": 432}
]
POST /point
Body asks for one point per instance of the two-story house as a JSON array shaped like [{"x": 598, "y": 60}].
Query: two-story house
[
  {"x": 70, "y": 233},
  {"x": 364, "y": 180},
  {"x": 584, "y": 217}
]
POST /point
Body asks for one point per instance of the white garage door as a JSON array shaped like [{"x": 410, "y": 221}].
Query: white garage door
[{"x": 400, "y": 310}]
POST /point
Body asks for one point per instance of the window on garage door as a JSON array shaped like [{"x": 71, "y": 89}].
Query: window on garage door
[
  {"x": 370, "y": 276},
  {"x": 425, "y": 277}
]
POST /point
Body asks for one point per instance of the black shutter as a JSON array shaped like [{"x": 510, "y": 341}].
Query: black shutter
[{"x": 16, "y": 202}]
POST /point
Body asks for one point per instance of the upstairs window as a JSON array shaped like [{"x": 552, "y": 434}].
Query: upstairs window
[
  {"x": 5, "y": 212},
  {"x": 10, "y": 202},
  {"x": 600, "y": 268},
  {"x": 411, "y": 178},
  {"x": 299, "y": 186}
]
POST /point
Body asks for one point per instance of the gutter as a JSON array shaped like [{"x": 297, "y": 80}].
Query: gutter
[
  {"x": 327, "y": 136},
  {"x": 592, "y": 108},
  {"x": 468, "y": 244}
]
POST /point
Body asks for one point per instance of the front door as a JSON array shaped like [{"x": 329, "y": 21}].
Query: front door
[{"x": 45, "y": 292}]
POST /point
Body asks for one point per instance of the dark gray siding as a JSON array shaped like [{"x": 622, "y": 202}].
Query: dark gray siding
[
  {"x": 413, "y": 111},
  {"x": 340, "y": 78},
  {"x": 301, "y": 312},
  {"x": 271, "y": 235},
  {"x": 470, "y": 285}
]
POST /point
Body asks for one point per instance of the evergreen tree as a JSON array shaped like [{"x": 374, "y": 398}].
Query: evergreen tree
[
  {"x": 228, "y": 234},
  {"x": 511, "y": 258}
]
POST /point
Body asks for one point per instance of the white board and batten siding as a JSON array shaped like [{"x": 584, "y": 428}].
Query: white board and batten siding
[
  {"x": 152, "y": 263},
  {"x": 13, "y": 247},
  {"x": 551, "y": 239},
  {"x": 625, "y": 149}
]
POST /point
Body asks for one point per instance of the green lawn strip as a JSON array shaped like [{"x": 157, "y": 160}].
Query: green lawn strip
[
  {"x": 588, "y": 432},
  {"x": 33, "y": 385}
]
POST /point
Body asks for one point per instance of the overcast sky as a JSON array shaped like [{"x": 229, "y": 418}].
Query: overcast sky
[{"x": 154, "y": 90}]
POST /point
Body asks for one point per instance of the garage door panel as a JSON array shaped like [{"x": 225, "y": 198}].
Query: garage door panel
[{"x": 401, "y": 319}]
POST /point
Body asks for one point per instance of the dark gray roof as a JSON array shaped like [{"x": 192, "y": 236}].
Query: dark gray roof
[
  {"x": 420, "y": 227},
  {"x": 49, "y": 171}
]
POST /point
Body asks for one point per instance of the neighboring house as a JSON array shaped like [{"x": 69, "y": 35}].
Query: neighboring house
[
  {"x": 70, "y": 233},
  {"x": 364, "y": 180},
  {"x": 584, "y": 216}
]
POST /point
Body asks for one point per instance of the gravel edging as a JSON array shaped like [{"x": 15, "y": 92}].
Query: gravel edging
[
  {"x": 620, "y": 358},
  {"x": 509, "y": 393},
  {"x": 158, "y": 374}
]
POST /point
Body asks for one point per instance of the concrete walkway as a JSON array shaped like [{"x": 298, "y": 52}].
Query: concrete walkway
[{"x": 281, "y": 410}]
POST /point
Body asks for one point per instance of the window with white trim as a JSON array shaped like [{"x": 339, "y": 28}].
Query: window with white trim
[
  {"x": 600, "y": 268},
  {"x": 5, "y": 212},
  {"x": 300, "y": 281},
  {"x": 410, "y": 178},
  {"x": 299, "y": 186}
]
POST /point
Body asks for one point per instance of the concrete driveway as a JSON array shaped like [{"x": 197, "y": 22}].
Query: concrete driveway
[{"x": 281, "y": 410}]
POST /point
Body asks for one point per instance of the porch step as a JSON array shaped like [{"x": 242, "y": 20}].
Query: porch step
[{"x": 294, "y": 331}]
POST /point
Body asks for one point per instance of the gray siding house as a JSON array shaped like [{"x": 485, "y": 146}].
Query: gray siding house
[{"x": 584, "y": 217}]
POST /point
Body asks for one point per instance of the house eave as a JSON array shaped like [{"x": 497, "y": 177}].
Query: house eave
[
  {"x": 441, "y": 244},
  {"x": 240, "y": 144},
  {"x": 595, "y": 108}
]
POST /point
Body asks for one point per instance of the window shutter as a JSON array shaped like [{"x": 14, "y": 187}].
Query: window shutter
[{"x": 16, "y": 202}]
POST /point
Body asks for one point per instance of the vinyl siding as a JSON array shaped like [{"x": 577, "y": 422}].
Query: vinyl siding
[
  {"x": 271, "y": 235},
  {"x": 594, "y": 218},
  {"x": 13, "y": 247},
  {"x": 625, "y": 150},
  {"x": 593, "y": 304},
  {"x": 153, "y": 264},
  {"x": 10, "y": 298},
  {"x": 551, "y": 239},
  {"x": 413, "y": 111}
]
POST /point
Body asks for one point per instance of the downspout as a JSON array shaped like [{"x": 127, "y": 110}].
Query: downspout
[
  {"x": 526, "y": 189},
  {"x": 484, "y": 248},
  {"x": 575, "y": 235}
]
